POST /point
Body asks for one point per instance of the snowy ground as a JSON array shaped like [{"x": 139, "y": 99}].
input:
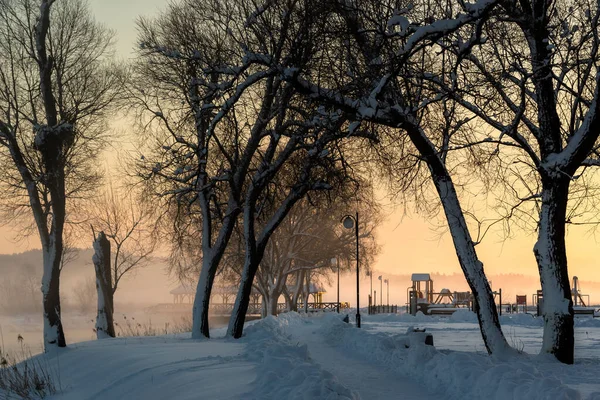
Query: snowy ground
[{"x": 321, "y": 357}]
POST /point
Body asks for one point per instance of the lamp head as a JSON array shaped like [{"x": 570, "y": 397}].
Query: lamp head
[{"x": 348, "y": 222}]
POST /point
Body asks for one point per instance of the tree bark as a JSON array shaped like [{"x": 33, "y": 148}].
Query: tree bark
[
  {"x": 551, "y": 256},
  {"x": 487, "y": 315},
  {"x": 263, "y": 306},
  {"x": 297, "y": 290},
  {"x": 272, "y": 305},
  {"x": 104, "y": 319},
  {"x": 240, "y": 308},
  {"x": 306, "y": 292},
  {"x": 53, "y": 329},
  {"x": 472, "y": 267},
  {"x": 200, "y": 325}
]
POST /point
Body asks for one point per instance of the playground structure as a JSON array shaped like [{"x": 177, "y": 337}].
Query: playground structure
[
  {"x": 421, "y": 297},
  {"x": 581, "y": 302},
  {"x": 577, "y": 296}
]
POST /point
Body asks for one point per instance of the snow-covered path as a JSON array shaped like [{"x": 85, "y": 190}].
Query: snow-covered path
[{"x": 369, "y": 380}]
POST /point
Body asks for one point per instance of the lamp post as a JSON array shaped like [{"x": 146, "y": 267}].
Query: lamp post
[
  {"x": 335, "y": 261},
  {"x": 370, "y": 273},
  {"x": 380, "y": 289},
  {"x": 350, "y": 222},
  {"x": 387, "y": 283}
]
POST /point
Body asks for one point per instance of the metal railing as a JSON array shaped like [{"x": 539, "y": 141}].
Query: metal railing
[{"x": 383, "y": 309}]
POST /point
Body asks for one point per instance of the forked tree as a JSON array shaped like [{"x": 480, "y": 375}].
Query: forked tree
[{"x": 373, "y": 65}]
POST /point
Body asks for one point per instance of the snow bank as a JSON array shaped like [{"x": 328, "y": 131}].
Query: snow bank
[
  {"x": 468, "y": 316},
  {"x": 459, "y": 375},
  {"x": 463, "y": 315},
  {"x": 587, "y": 322},
  {"x": 521, "y": 320},
  {"x": 286, "y": 370}
]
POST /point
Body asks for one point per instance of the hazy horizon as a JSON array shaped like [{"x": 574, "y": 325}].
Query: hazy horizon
[{"x": 409, "y": 243}]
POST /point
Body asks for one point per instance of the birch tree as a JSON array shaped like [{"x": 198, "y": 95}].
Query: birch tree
[{"x": 55, "y": 89}]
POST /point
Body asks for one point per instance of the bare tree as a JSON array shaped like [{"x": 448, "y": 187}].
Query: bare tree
[
  {"x": 55, "y": 88},
  {"x": 224, "y": 126},
  {"x": 127, "y": 224},
  {"x": 70, "y": 251},
  {"x": 308, "y": 239},
  {"x": 200, "y": 156},
  {"x": 373, "y": 69},
  {"x": 125, "y": 243},
  {"x": 83, "y": 294},
  {"x": 534, "y": 82}
]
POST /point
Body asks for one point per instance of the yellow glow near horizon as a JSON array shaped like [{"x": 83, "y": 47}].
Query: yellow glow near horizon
[{"x": 408, "y": 244}]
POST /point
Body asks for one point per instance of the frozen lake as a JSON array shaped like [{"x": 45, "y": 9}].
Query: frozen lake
[{"x": 465, "y": 336}]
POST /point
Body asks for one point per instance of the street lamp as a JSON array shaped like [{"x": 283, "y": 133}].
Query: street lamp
[
  {"x": 350, "y": 222},
  {"x": 370, "y": 275},
  {"x": 387, "y": 283},
  {"x": 335, "y": 261},
  {"x": 380, "y": 290}
]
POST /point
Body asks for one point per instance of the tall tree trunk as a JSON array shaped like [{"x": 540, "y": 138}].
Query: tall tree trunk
[
  {"x": 211, "y": 257},
  {"x": 297, "y": 290},
  {"x": 472, "y": 267},
  {"x": 104, "y": 319},
  {"x": 200, "y": 326},
  {"x": 551, "y": 256},
  {"x": 54, "y": 335},
  {"x": 240, "y": 308},
  {"x": 287, "y": 298},
  {"x": 263, "y": 307},
  {"x": 306, "y": 293},
  {"x": 273, "y": 298}
]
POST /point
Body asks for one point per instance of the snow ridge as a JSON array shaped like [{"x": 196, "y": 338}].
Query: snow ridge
[
  {"x": 457, "y": 374},
  {"x": 286, "y": 370}
]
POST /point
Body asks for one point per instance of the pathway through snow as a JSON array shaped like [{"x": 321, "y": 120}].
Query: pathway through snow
[{"x": 370, "y": 380}]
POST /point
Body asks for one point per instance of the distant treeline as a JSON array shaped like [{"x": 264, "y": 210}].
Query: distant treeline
[{"x": 21, "y": 276}]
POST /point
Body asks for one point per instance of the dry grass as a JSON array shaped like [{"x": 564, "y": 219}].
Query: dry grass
[
  {"x": 24, "y": 377},
  {"x": 131, "y": 327}
]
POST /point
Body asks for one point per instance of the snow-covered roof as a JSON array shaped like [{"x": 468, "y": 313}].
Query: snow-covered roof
[{"x": 420, "y": 277}]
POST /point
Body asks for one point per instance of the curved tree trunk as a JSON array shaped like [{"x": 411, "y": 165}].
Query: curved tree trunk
[
  {"x": 200, "y": 325},
  {"x": 551, "y": 256},
  {"x": 487, "y": 315},
  {"x": 472, "y": 267},
  {"x": 242, "y": 300}
]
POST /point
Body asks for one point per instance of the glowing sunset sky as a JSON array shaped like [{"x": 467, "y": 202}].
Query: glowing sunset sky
[{"x": 408, "y": 244}]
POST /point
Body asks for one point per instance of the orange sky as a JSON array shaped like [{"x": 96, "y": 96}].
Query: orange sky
[{"x": 408, "y": 244}]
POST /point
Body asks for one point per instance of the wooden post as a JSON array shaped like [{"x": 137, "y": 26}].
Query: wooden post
[{"x": 101, "y": 259}]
